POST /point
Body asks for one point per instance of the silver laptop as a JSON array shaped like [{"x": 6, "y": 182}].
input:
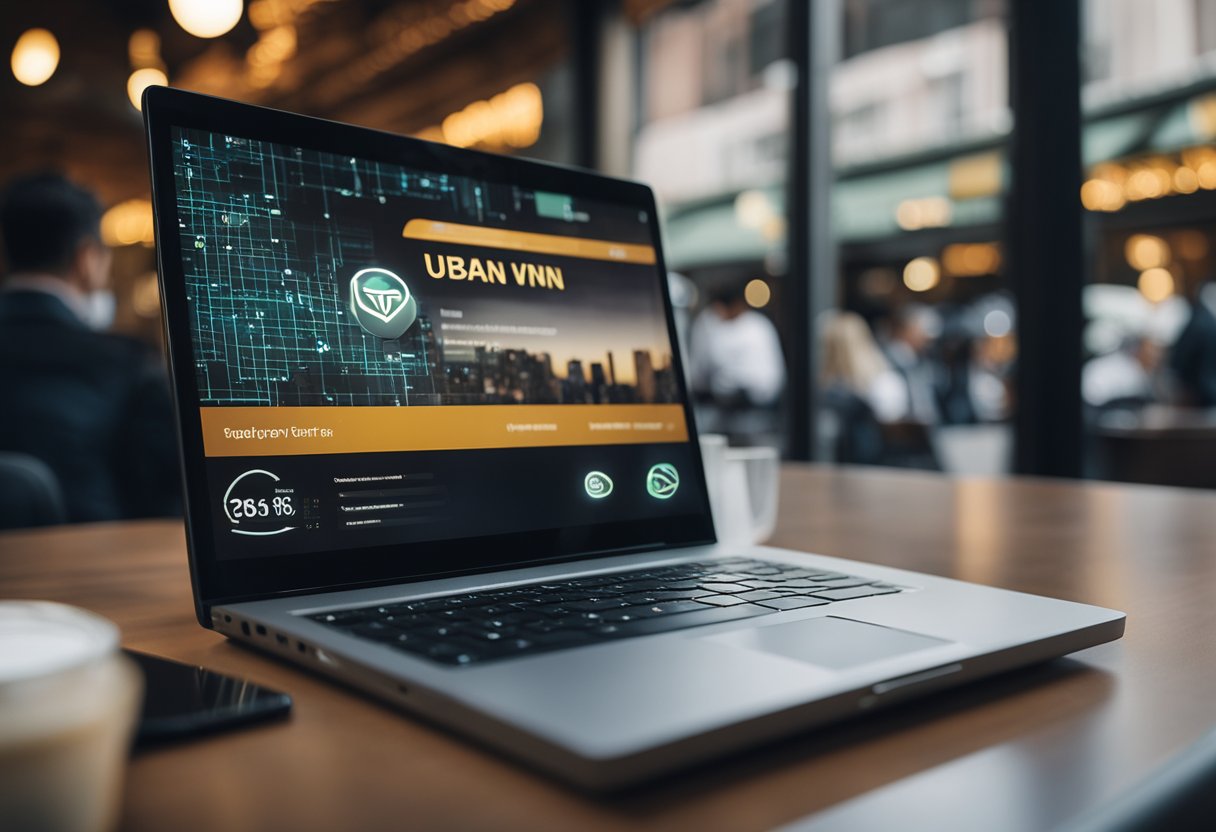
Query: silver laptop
[{"x": 437, "y": 445}]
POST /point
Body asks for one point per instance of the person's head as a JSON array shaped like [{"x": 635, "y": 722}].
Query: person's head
[
  {"x": 908, "y": 326},
  {"x": 51, "y": 226},
  {"x": 728, "y": 301},
  {"x": 849, "y": 355}
]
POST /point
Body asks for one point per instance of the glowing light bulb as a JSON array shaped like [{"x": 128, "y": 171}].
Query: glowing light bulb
[
  {"x": 141, "y": 79},
  {"x": 35, "y": 57},
  {"x": 922, "y": 274},
  {"x": 207, "y": 18},
  {"x": 1145, "y": 251},
  {"x": 757, "y": 294},
  {"x": 1155, "y": 284}
]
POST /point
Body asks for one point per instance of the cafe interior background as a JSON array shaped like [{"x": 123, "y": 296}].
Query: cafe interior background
[{"x": 837, "y": 159}]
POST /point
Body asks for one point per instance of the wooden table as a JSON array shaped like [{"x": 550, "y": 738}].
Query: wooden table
[{"x": 1025, "y": 751}]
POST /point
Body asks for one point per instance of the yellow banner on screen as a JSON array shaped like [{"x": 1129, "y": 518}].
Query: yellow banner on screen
[
  {"x": 285, "y": 431},
  {"x": 478, "y": 235}
]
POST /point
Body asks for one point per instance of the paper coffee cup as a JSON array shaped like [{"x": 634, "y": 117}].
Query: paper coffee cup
[{"x": 68, "y": 703}]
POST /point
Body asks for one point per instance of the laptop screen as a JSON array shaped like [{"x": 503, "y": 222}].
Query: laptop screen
[{"x": 388, "y": 353}]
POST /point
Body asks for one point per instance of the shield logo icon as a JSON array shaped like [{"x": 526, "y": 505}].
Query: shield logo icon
[{"x": 382, "y": 303}]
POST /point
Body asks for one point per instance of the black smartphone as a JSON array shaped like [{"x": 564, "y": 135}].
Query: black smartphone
[{"x": 183, "y": 700}]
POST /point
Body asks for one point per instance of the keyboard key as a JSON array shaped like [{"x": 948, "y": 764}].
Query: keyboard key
[
  {"x": 804, "y": 583},
  {"x": 374, "y": 630},
  {"x": 792, "y": 602},
  {"x": 628, "y": 614},
  {"x": 842, "y": 583},
  {"x": 758, "y": 595},
  {"x": 593, "y": 582},
  {"x": 453, "y": 654},
  {"x": 409, "y": 641},
  {"x": 737, "y": 563},
  {"x": 676, "y": 607},
  {"x": 684, "y": 620},
  {"x": 440, "y": 632},
  {"x": 596, "y": 604},
  {"x": 720, "y": 586},
  {"x": 726, "y": 577},
  {"x": 848, "y": 593},
  {"x": 677, "y": 585},
  {"x": 552, "y": 610},
  {"x": 720, "y": 600}
]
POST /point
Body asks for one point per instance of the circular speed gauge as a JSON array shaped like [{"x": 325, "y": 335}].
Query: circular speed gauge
[{"x": 257, "y": 503}]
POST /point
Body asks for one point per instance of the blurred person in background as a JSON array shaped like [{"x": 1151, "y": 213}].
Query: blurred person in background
[
  {"x": 736, "y": 368},
  {"x": 970, "y": 390},
  {"x": 906, "y": 346},
  {"x": 1192, "y": 358},
  {"x": 93, "y": 406},
  {"x": 868, "y": 409},
  {"x": 852, "y": 365},
  {"x": 1127, "y": 377},
  {"x": 860, "y": 390},
  {"x": 955, "y": 394}
]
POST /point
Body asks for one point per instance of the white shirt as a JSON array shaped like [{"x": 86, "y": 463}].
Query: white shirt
[
  {"x": 1116, "y": 375},
  {"x": 888, "y": 397},
  {"x": 741, "y": 355}
]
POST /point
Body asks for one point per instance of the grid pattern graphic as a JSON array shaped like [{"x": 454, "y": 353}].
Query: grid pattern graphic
[{"x": 268, "y": 231}]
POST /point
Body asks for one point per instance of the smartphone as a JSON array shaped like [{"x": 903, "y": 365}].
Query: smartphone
[{"x": 183, "y": 700}]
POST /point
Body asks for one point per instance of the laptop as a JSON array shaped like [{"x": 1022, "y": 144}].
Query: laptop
[{"x": 437, "y": 446}]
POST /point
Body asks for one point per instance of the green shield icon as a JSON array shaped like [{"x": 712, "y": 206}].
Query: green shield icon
[{"x": 382, "y": 303}]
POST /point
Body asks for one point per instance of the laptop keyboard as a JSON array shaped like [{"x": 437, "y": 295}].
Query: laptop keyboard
[{"x": 534, "y": 618}]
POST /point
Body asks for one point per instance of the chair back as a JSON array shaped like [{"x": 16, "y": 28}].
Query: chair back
[{"x": 29, "y": 493}]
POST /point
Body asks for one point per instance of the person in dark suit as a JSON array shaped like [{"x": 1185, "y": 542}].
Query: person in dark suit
[
  {"x": 1193, "y": 355},
  {"x": 92, "y": 405}
]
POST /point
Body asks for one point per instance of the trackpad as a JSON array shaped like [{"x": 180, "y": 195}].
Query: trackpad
[{"x": 830, "y": 642}]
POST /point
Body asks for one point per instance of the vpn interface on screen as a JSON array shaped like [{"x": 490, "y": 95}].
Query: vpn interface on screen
[{"x": 385, "y": 354}]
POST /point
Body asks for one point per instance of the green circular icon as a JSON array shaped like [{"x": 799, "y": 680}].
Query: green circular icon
[
  {"x": 598, "y": 485},
  {"x": 381, "y": 303},
  {"x": 662, "y": 480}
]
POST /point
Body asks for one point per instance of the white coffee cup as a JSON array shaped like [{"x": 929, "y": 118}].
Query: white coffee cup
[
  {"x": 743, "y": 490},
  {"x": 68, "y": 704}
]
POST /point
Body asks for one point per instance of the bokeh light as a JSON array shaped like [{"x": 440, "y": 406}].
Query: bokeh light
[
  {"x": 997, "y": 323},
  {"x": 922, "y": 274},
  {"x": 1156, "y": 284},
  {"x": 1145, "y": 251},
  {"x": 509, "y": 119},
  {"x": 757, "y": 293},
  {"x": 35, "y": 57},
  {"x": 140, "y": 80},
  {"x": 128, "y": 223},
  {"x": 207, "y": 18}
]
